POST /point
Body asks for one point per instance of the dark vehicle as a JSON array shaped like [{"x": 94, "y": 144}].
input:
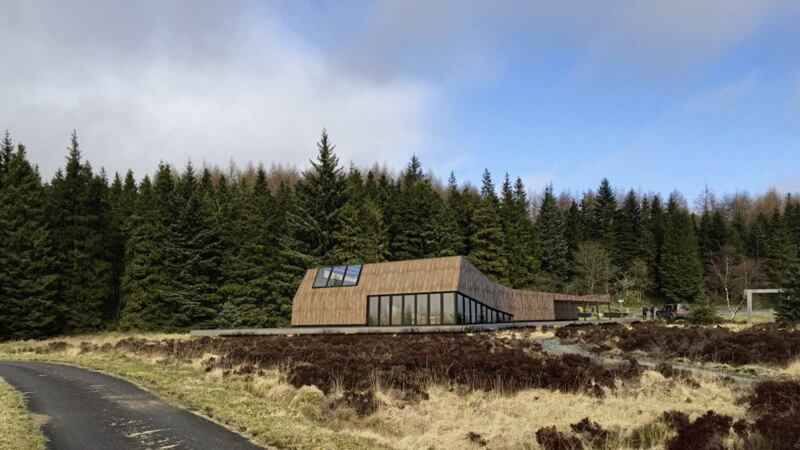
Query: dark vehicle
[{"x": 673, "y": 311}]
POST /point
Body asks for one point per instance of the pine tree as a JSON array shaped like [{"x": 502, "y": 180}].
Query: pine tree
[
  {"x": 488, "y": 251},
  {"x": 194, "y": 258},
  {"x": 519, "y": 235},
  {"x": 320, "y": 196},
  {"x": 78, "y": 222},
  {"x": 781, "y": 252},
  {"x": 703, "y": 310},
  {"x": 462, "y": 203},
  {"x": 293, "y": 255},
  {"x": 680, "y": 268},
  {"x": 415, "y": 218},
  {"x": 788, "y": 307},
  {"x": 6, "y": 152},
  {"x": 627, "y": 232},
  {"x": 574, "y": 232},
  {"x": 250, "y": 254},
  {"x": 552, "y": 250},
  {"x": 28, "y": 307},
  {"x": 145, "y": 281},
  {"x": 605, "y": 207},
  {"x": 361, "y": 237}
]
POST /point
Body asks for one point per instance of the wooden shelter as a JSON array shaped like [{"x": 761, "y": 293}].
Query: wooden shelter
[{"x": 435, "y": 291}]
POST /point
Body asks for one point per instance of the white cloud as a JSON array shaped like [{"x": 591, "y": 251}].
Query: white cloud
[{"x": 145, "y": 83}]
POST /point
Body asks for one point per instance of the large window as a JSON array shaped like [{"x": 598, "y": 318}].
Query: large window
[
  {"x": 385, "y": 308},
  {"x": 422, "y": 309},
  {"x": 334, "y": 276},
  {"x": 373, "y": 311},
  {"x": 435, "y": 308},
  {"x": 397, "y": 309},
  {"x": 408, "y": 309},
  {"x": 448, "y": 308}
]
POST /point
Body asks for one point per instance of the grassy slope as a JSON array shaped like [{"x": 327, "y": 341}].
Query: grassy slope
[
  {"x": 17, "y": 428},
  {"x": 230, "y": 402}
]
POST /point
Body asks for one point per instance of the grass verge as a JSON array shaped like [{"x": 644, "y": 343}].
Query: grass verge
[
  {"x": 232, "y": 402},
  {"x": 17, "y": 428}
]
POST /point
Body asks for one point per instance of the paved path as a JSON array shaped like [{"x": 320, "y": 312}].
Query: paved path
[{"x": 84, "y": 410}]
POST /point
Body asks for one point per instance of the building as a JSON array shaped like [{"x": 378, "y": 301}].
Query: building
[{"x": 435, "y": 291}]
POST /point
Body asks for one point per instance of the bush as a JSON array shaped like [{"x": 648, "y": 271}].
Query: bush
[{"x": 703, "y": 311}]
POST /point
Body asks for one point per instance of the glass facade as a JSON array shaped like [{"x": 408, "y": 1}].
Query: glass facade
[
  {"x": 433, "y": 308},
  {"x": 409, "y": 305},
  {"x": 397, "y": 309},
  {"x": 334, "y": 276}
]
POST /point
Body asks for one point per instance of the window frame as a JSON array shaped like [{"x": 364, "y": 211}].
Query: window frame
[{"x": 330, "y": 275}]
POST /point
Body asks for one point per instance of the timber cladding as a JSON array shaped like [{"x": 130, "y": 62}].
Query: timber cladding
[{"x": 347, "y": 305}]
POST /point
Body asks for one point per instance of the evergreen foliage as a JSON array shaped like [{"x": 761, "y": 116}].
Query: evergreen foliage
[
  {"x": 187, "y": 250},
  {"x": 703, "y": 310},
  {"x": 680, "y": 269},
  {"x": 487, "y": 244},
  {"x": 320, "y": 195},
  {"x": 788, "y": 307},
  {"x": 28, "y": 307},
  {"x": 77, "y": 212},
  {"x": 551, "y": 245}
]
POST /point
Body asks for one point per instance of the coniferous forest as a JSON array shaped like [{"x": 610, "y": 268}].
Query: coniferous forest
[{"x": 204, "y": 247}]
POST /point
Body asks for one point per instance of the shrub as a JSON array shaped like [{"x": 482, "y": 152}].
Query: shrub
[
  {"x": 703, "y": 311},
  {"x": 551, "y": 439}
]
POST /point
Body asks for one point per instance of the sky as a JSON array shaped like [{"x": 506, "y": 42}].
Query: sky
[{"x": 655, "y": 95}]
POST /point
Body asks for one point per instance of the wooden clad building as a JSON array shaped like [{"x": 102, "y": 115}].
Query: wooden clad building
[{"x": 435, "y": 291}]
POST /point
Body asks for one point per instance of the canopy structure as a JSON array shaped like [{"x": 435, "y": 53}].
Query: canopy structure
[
  {"x": 749, "y": 294},
  {"x": 435, "y": 291}
]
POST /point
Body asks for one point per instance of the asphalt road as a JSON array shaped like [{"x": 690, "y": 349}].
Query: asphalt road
[{"x": 84, "y": 410}]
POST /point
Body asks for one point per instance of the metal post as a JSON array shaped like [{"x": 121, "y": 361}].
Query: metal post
[{"x": 749, "y": 306}]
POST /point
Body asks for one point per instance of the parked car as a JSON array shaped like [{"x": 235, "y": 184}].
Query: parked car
[{"x": 673, "y": 311}]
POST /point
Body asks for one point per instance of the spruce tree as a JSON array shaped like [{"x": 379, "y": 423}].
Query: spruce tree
[
  {"x": 320, "y": 196},
  {"x": 781, "y": 252},
  {"x": 461, "y": 202},
  {"x": 551, "y": 245},
  {"x": 488, "y": 246},
  {"x": 293, "y": 255},
  {"x": 194, "y": 259},
  {"x": 77, "y": 213},
  {"x": 6, "y": 152},
  {"x": 145, "y": 281},
  {"x": 605, "y": 207},
  {"x": 415, "y": 218},
  {"x": 361, "y": 236},
  {"x": 574, "y": 231},
  {"x": 28, "y": 291},
  {"x": 788, "y": 307},
  {"x": 680, "y": 268},
  {"x": 250, "y": 255},
  {"x": 518, "y": 233},
  {"x": 628, "y": 231}
]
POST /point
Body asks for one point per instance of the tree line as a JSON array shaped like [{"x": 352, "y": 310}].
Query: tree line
[{"x": 202, "y": 248}]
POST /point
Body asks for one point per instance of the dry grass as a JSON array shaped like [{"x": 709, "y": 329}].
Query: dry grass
[
  {"x": 17, "y": 429},
  {"x": 511, "y": 421},
  {"x": 270, "y": 411}
]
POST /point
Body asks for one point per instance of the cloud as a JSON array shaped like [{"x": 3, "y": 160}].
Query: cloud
[
  {"x": 477, "y": 39},
  {"x": 146, "y": 81}
]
